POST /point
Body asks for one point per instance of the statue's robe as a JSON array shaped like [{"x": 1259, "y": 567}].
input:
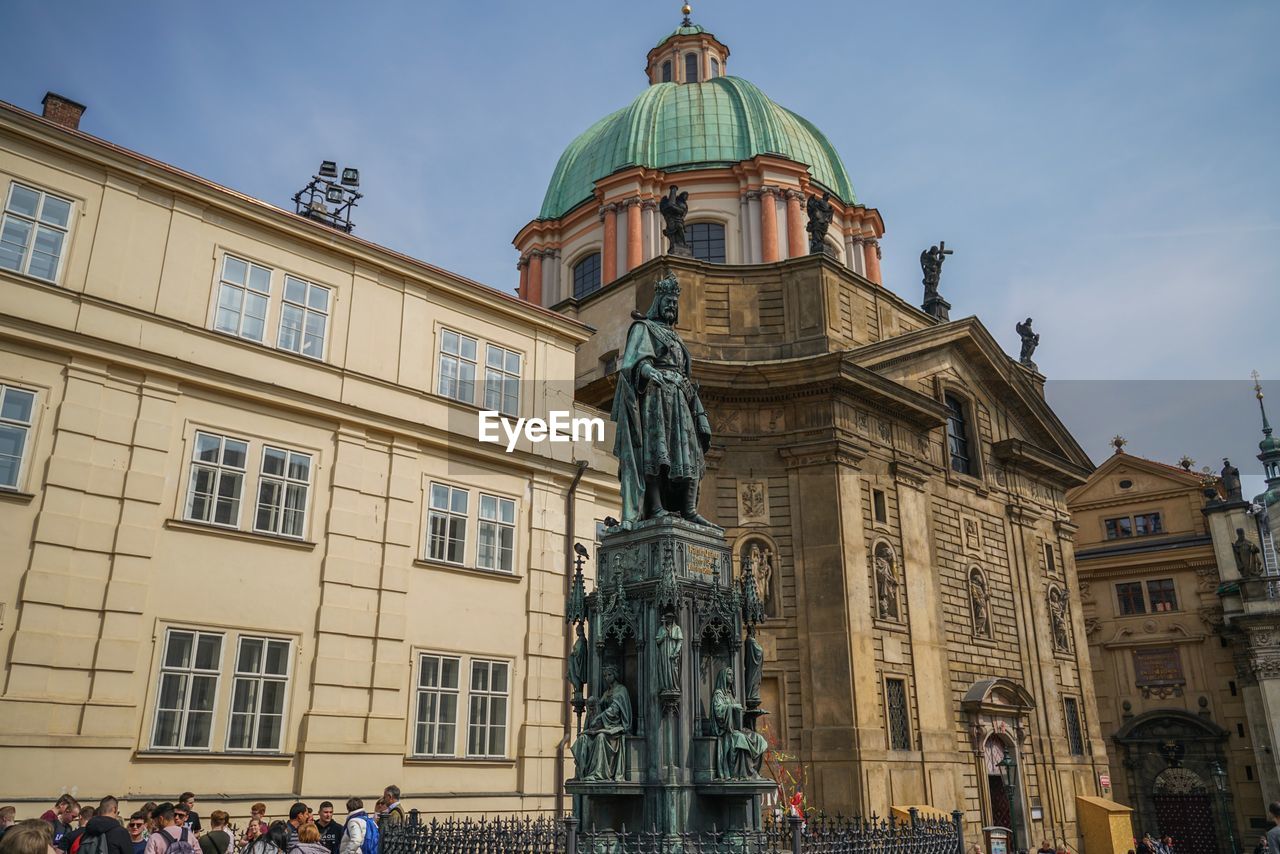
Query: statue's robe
[
  {"x": 670, "y": 643},
  {"x": 600, "y": 751},
  {"x": 740, "y": 750},
  {"x": 657, "y": 430}
]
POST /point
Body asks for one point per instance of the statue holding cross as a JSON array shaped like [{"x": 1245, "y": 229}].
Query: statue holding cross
[{"x": 931, "y": 263}]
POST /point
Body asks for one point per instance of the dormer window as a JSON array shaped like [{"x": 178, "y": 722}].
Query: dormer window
[
  {"x": 666, "y": 71},
  {"x": 691, "y": 68},
  {"x": 715, "y": 67}
]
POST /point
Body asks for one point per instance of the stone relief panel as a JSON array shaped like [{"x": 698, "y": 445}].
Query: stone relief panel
[
  {"x": 753, "y": 502},
  {"x": 970, "y": 534}
]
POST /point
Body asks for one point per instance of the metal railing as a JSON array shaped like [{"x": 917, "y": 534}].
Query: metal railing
[{"x": 790, "y": 835}]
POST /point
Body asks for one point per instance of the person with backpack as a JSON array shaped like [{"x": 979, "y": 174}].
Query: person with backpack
[
  {"x": 308, "y": 841},
  {"x": 170, "y": 837},
  {"x": 360, "y": 834},
  {"x": 102, "y": 834},
  {"x": 218, "y": 840},
  {"x": 274, "y": 841}
]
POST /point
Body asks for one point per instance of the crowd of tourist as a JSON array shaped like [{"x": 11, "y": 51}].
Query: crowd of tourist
[{"x": 176, "y": 828}]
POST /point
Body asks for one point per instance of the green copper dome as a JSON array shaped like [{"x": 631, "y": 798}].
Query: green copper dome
[
  {"x": 689, "y": 126},
  {"x": 684, "y": 30}
]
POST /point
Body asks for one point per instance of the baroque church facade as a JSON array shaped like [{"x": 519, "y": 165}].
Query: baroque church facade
[{"x": 896, "y": 480}]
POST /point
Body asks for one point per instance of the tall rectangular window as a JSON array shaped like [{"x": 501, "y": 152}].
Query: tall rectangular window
[
  {"x": 243, "y": 295},
  {"x": 1119, "y": 528},
  {"x": 1075, "y": 735},
  {"x": 217, "y": 479},
  {"x": 1050, "y": 565},
  {"x": 33, "y": 232},
  {"x": 1146, "y": 524},
  {"x": 487, "y": 720},
  {"x": 878, "y": 507},
  {"x": 282, "y": 492},
  {"x": 586, "y": 275},
  {"x": 188, "y": 686},
  {"x": 1162, "y": 595},
  {"x": 706, "y": 241},
  {"x": 304, "y": 317},
  {"x": 958, "y": 435},
  {"x": 502, "y": 380},
  {"x": 457, "y": 366},
  {"x": 895, "y": 698},
  {"x": 691, "y": 68},
  {"x": 447, "y": 523},
  {"x": 1129, "y": 597},
  {"x": 258, "y": 694},
  {"x": 16, "y": 408},
  {"x": 497, "y": 534},
  {"x": 435, "y": 732}
]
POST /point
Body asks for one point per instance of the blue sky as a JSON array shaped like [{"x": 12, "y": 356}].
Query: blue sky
[{"x": 1108, "y": 168}]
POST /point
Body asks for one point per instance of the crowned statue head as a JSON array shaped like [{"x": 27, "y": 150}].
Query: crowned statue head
[{"x": 666, "y": 300}]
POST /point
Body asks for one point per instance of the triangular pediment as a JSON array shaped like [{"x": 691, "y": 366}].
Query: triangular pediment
[
  {"x": 965, "y": 353},
  {"x": 1128, "y": 477}
]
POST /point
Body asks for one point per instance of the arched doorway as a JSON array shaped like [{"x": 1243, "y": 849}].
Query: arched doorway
[
  {"x": 1168, "y": 757},
  {"x": 998, "y": 712},
  {"x": 1184, "y": 810}
]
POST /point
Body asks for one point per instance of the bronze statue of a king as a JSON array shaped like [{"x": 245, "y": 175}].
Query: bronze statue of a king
[{"x": 663, "y": 430}]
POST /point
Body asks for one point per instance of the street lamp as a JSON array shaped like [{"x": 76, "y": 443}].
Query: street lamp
[
  {"x": 1220, "y": 783},
  {"x": 1009, "y": 773}
]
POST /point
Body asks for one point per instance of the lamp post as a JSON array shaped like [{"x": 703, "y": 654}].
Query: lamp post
[
  {"x": 1009, "y": 773},
  {"x": 1220, "y": 784}
]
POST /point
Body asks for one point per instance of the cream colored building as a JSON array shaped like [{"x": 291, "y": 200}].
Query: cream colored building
[{"x": 253, "y": 548}]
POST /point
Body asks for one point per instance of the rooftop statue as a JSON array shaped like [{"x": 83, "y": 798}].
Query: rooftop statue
[
  {"x": 674, "y": 208},
  {"x": 663, "y": 430},
  {"x": 931, "y": 265},
  {"x": 1030, "y": 341},
  {"x": 1231, "y": 481},
  {"x": 820, "y": 214},
  {"x": 1248, "y": 557}
]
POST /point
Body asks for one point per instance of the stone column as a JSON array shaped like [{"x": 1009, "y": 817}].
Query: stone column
[
  {"x": 744, "y": 232},
  {"x": 535, "y": 277},
  {"x": 857, "y": 256},
  {"x": 768, "y": 226},
  {"x": 797, "y": 242},
  {"x": 1264, "y": 662},
  {"x": 652, "y": 233},
  {"x": 523, "y": 266},
  {"x": 753, "y": 225},
  {"x": 634, "y": 233},
  {"x": 550, "y": 276},
  {"x": 609, "y": 258},
  {"x": 871, "y": 256}
]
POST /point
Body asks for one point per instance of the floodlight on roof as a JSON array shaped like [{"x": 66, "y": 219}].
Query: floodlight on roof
[
  {"x": 335, "y": 195},
  {"x": 351, "y": 177},
  {"x": 328, "y": 169}
]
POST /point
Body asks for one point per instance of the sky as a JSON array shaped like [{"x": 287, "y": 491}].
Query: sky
[{"x": 1107, "y": 168}]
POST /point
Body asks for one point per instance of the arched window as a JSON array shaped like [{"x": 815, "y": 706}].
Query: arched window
[
  {"x": 690, "y": 68},
  {"x": 706, "y": 239},
  {"x": 586, "y": 276},
  {"x": 958, "y": 435},
  {"x": 666, "y": 71},
  {"x": 715, "y": 67}
]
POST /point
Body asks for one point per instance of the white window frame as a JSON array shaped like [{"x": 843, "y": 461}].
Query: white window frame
[
  {"x": 430, "y": 730},
  {"x": 189, "y": 672},
  {"x": 219, "y": 468},
  {"x": 245, "y": 288},
  {"x": 497, "y": 378},
  {"x": 12, "y": 423},
  {"x": 35, "y": 223},
  {"x": 497, "y": 524},
  {"x": 284, "y": 484},
  {"x": 458, "y": 360},
  {"x": 308, "y": 311},
  {"x": 260, "y": 677},
  {"x": 486, "y": 697},
  {"x": 449, "y": 515}
]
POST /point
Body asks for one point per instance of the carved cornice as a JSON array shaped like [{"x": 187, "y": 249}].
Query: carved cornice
[
  {"x": 1030, "y": 458},
  {"x": 649, "y": 205},
  {"x": 794, "y": 195},
  {"x": 1065, "y": 529},
  {"x": 842, "y": 449},
  {"x": 633, "y": 200},
  {"x": 908, "y": 475},
  {"x": 1022, "y": 514}
]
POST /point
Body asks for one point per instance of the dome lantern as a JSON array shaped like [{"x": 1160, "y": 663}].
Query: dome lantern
[{"x": 689, "y": 54}]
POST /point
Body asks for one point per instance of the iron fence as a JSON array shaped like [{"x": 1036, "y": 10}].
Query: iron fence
[{"x": 790, "y": 835}]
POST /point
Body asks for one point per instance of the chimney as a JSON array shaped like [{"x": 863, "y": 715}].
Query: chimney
[{"x": 62, "y": 111}]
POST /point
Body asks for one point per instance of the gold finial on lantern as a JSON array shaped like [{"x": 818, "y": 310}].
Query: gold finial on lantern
[{"x": 686, "y": 10}]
